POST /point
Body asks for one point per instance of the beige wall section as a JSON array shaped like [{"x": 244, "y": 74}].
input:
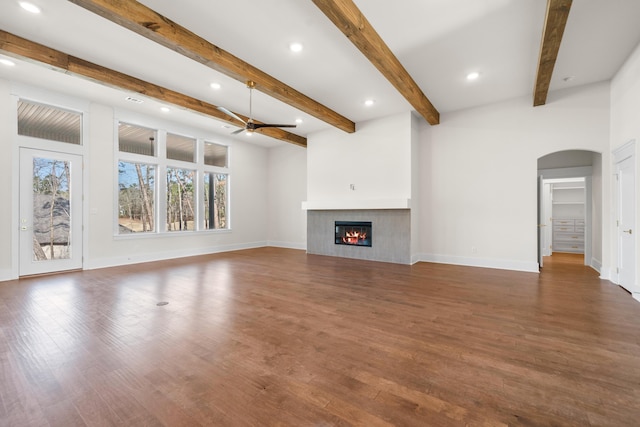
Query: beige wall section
[{"x": 10, "y": 175}]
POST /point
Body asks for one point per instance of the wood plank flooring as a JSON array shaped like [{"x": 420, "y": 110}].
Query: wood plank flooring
[{"x": 277, "y": 337}]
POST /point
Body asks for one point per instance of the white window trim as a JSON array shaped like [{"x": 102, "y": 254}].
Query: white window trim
[{"x": 161, "y": 164}]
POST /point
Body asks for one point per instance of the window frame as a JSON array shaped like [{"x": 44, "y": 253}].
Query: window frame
[{"x": 161, "y": 163}]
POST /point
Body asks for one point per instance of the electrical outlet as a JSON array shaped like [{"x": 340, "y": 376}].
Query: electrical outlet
[{"x": 474, "y": 250}]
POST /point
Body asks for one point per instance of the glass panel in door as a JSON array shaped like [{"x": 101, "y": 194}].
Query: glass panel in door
[{"x": 51, "y": 209}]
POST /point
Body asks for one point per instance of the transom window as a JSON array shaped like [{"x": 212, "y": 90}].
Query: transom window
[
  {"x": 48, "y": 122},
  {"x": 137, "y": 139}
]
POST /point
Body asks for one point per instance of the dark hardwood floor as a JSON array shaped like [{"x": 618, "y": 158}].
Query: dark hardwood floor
[{"x": 277, "y": 337}]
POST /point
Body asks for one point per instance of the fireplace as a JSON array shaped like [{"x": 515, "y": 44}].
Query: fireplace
[
  {"x": 392, "y": 228},
  {"x": 353, "y": 233}
]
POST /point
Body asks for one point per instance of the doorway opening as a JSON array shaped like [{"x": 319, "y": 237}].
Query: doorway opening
[{"x": 569, "y": 208}]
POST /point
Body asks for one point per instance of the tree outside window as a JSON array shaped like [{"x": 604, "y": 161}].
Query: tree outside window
[
  {"x": 215, "y": 207},
  {"x": 136, "y": 197},
  {"x": 180, "y": 200}
]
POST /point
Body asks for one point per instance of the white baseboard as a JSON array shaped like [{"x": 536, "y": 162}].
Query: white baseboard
[
  {"x": 287, "y": 245},
  {"x": 160, "y": 256},
  {"x": 636, "y": 296},
  {"x": 608, "y": 274},
  {"x": 531, "y": 267},
  {"x": 7, "y": 274},
  {"x": 416, "y": 258}
]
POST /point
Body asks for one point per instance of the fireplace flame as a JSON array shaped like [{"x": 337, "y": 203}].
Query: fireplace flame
[{"x": 352, "y": 237}]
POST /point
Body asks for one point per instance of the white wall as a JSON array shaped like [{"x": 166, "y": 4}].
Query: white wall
[
  {"x": 248, "y": 191},
  {"x": 287, "y": 189},
  {"x": 376, "y": 159},
  {"x": 625, "y": 102},
  {"x": 625, "y": 126},
  {"x": 415, "y": 188},
  {"x": 247, "y": 212},
  {"x": 597, "y": 208},
  {"x": 479, "y": 169},
  {"x": 476, "y": 178},
  {"x": 6, "y": 165}
]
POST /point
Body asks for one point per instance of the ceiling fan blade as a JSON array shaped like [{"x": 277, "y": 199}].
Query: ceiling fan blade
[
  {"x": 235, "y": 132},
  {"x": 271, "y": 125},
  {"x": 232, "y": 114}
]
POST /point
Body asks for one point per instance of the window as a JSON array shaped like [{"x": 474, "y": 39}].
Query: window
[
  {"x": 136, "y": 199},
  {"x": 215, "y": 201},
  {"x": 215, "y": 154},
  {"x": 181, "y": 148},
  {"x": 180, "y": 200},
  {"x": 136, "y": 139},
  {"x": 47, "y": 122},
  {"x": 186, "y": 178}
]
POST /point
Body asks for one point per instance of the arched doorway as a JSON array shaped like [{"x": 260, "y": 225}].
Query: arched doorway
[{"x": 570, "y": 205}]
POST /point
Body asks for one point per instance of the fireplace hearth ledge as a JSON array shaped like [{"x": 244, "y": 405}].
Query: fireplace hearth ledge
[{"x": 353, "y": 204}]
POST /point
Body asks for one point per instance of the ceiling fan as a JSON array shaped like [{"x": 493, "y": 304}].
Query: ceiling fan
[{"x": 250, "y": 125}]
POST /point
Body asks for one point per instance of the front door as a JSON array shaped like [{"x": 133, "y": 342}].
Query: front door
[
  {"x": 50, "y": 211},
  {"x": 626, "y": 227}
]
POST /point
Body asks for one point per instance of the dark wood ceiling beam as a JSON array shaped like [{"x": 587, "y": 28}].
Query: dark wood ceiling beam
[
  {"x": 347, "y": 17},
  {"x": 555, "y": 22},
  {"x": 28, "y": 50},
  {"x": 150, "y": 24}
]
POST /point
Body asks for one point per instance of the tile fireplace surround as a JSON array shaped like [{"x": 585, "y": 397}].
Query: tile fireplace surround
[{"x": 391, "y": 234}]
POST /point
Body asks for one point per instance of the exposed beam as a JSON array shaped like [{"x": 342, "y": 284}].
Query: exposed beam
[
  {"x": 60, "y": 61},
  {"x": 150, "y": 24},
  {"x": 554, "y": 24},
  {"x": 347, "y": 17}
]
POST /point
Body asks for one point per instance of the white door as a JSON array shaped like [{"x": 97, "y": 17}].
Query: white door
[
  {"x": 50, "y": 211},
  {"x": 626, "y": 225}
]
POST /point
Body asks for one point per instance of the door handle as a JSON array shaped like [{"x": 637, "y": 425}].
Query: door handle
[
  {"x": 630, "y": 231},
  {"x": 24, "y": 228}
]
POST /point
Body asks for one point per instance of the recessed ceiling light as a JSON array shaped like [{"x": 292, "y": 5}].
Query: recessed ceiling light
[
  {"x": 473, "y": 76},
  {"x": 298, "y": 121},
  {"x": 165, "y": 109},
  {"x": 369, "y": 102},
  {"x": 295, "y": 47},
  {"x": 215, "y": 86},
  {"x": 29, "y": 7},
  {"x": 7, "y": 62}
]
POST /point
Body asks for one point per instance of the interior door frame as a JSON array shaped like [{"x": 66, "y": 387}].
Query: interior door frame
[
  {"x": 624, "y": 152},
  {"x": 585, "y": 172}
]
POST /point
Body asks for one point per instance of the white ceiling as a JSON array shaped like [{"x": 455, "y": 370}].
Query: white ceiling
[{"x": 438, "y": 42}]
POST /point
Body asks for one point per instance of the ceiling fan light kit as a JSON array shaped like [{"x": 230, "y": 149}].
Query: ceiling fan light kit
[{"x": 250, "y": 125}]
